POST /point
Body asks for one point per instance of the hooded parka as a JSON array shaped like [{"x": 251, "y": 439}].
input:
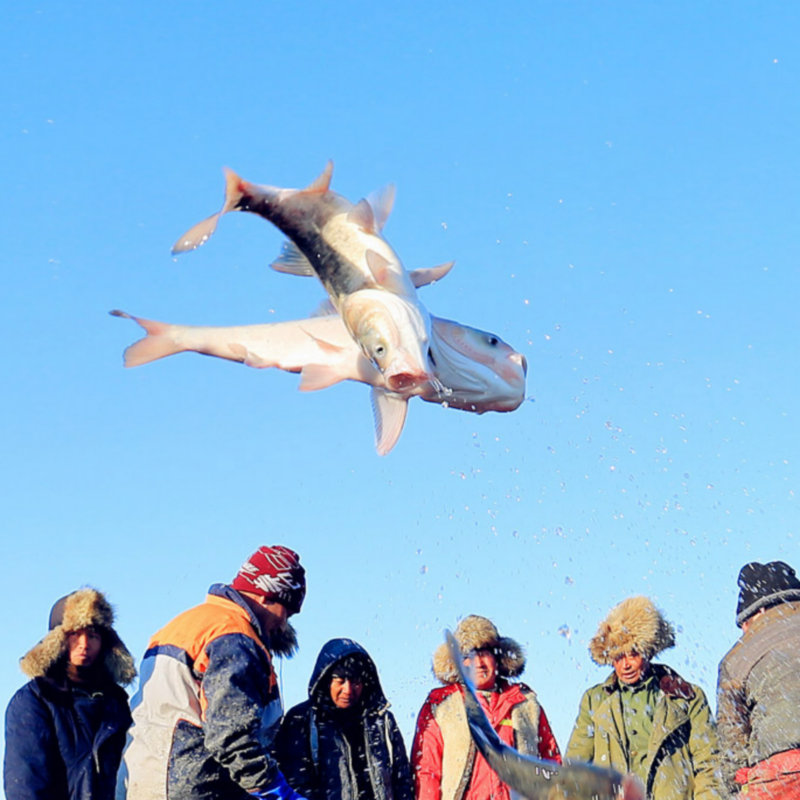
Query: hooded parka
[
  {"x": 64, "y": 738},
  {"x": 326, "y": 753}
]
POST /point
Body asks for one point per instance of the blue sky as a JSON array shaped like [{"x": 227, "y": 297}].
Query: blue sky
[{"x": 617, "y": 183}]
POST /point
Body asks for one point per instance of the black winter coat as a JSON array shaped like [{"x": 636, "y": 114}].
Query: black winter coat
[
  {"x": 314, "y": 749},
  {"x": 64, "y": 743}
]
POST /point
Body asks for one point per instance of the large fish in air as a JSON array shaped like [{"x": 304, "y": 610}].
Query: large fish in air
[
  {"x": 341, "y": 244},
  {"x": 481, "y": 372},
  {"x": 533, "y": 778}
]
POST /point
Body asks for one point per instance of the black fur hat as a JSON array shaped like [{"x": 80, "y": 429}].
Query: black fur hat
[{"x": 765, "y": 585}]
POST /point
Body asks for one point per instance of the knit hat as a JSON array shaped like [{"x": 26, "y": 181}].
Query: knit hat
[
  {"x": 83, "y": 608},
  {"x": 634, "y": 625},
  {"x": 765, "y": 585},
  {"x": 479, "y": 633},
  {"x": 274, "y": 573}
]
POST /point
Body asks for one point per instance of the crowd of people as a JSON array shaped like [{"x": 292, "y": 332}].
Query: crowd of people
[{"x": 207, "y": 722}]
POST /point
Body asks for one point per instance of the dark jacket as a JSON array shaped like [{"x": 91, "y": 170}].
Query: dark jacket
[
  {"x": 758, "y": 692},
  {"x": 329, "y": 754},
  {"x": 64, "y": 743}
]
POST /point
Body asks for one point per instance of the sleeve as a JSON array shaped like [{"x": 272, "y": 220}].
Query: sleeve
[
  {"x": 291, "y": 750},
  {"x": 402, "y": 784},
  {"x": 33, "y": 768},
  {"x": 581, "y": 743},
  {"x": 242, "y": 710},
  {"x": 703, "y": 748},
  {"x": 548, "y": 747},
  {"x": 733, "y": 729},
  {"x": 426, "y": 755}
]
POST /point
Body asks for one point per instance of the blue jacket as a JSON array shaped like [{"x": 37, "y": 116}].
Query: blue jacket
[{"x": 63, "y": 743}]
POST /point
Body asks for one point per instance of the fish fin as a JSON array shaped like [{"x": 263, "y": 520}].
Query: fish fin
[
  {"x": 318, "y": 376},
  {"x": 325, "y": 309},
  {"x": 362, "y": 215},
  {"x": 379, "y": 267},
  {"x": 321, "y": 184},
  {"x": 157, "y": 344},
  {"x": 381, "y": 203},
  {"x": 291, "y": 261},
  {"x": 424, "y": 277},
  {"x": 389, "y": 411},
  {"x": 199, "y": 234}
]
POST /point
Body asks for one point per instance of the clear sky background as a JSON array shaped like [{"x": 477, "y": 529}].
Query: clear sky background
[{"x": 619, "y": 185}]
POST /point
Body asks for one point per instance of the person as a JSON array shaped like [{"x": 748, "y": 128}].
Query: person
[
  {"x": 343, "y": 743},
  {"x": 445, "y": 763},
  {"x": 65, "y": 729},
  {"x": 208, "y": 702},
  {"x": 758, "y": 688},
  {"x": 645, "y": 718}
]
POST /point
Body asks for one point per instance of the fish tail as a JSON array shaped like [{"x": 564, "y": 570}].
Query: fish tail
[
  {"x": 200, "y": 233},
  {"x": 157, "y": 344}
]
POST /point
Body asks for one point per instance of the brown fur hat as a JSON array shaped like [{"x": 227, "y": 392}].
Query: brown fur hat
[
  {"x": 81, "y": 609},
  {"x": 634, "y": 625},
  {"x": 478, "y": 633}
]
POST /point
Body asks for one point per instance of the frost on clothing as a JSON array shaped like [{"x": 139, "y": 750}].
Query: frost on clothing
[
  {"x": 445, "y": 762},
  {"x": 207, "y": 707},
  {"x": 65, "y": 729},
  {"x": 327, "y": 753},
  {"x": 758, "y": 697},
  {"x": 682, "y": 748}
]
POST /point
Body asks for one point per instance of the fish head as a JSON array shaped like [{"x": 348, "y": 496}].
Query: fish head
[
  {"x": 393, "y": 333},
  {"x": 478, "y": 369}
]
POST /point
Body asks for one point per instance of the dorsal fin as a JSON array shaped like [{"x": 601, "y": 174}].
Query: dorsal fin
[
  {"x": 321, "y": 184},
  {"x": 361, "y": 214},
  {"x": 382, "y": 202}
]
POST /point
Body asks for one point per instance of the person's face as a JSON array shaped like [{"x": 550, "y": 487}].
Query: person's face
[
  {"x": 271, "y": 616},
  {"x": 484, "y": 666},
  {"x": 346, "y": 692},
  {"x": 630, "y": 668},
  {"x": 84, "y": 646}
]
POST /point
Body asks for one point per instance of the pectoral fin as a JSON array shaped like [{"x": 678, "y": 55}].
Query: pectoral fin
[
  {"x": 381, "y": 202},
  {"x": 361, "y": 214},
  {"x": 389, "y": 411},
  {"x": 291, "y": 261},
  {"x": 422, "y": 277}
]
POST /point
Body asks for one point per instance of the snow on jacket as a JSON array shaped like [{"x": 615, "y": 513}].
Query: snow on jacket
[
  {"x": 312, "y": 748},
  {"x": 207, "y": 707},
  {"x": 445, "y": 762},
  {"x": 682, "y": 753},
  {"x": 758, "y": 692},
  {"x": 64, "y": 743}
]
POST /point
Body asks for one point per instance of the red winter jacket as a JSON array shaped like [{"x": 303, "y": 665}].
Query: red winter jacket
[{"x": 445, "y": 762}]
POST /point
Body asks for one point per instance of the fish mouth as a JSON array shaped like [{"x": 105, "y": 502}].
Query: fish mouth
[
  {"x": 520, "y": 361},
  {"x": 403, "y": 381}
]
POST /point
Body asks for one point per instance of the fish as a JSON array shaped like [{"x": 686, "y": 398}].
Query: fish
[
  {"x": 475, "y": 370},
  {"x": 340, "y": 242},
  {"x": 534, "y": 778}
]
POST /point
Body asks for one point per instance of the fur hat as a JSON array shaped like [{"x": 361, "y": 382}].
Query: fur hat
[
  {"x": 81, "y": 609},
  {"x": 634, "y": 625},
  {"x": 478, "y": 633},
  {"x": 765, "y": 585}
]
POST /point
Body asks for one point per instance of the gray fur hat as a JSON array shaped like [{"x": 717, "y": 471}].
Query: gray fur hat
[
  {"x": 479, "y": 633},
  {"x": 83, "y": 608},
  {"x": 634, "y": 625}
]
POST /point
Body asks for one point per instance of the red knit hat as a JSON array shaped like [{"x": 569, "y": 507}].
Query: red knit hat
[{"x": 276, "y": 574}]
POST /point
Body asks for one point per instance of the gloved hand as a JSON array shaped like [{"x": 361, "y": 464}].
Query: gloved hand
[{"x": 277, "y": 790}]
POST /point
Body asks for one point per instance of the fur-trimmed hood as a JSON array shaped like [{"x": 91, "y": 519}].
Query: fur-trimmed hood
[
  {"x": 634, "y": 625},
  {"x": 479, "y": 633},
  {"x": 82, "y": 609}
]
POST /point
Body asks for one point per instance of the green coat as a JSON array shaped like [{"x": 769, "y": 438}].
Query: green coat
[{"x": 682, "y": 755}]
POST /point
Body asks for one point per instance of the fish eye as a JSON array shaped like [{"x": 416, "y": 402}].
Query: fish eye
[
  {"x": 431, "y": 358},
  {"x": 379, "y": 351},
  {"x": 492, "y": 340}
]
